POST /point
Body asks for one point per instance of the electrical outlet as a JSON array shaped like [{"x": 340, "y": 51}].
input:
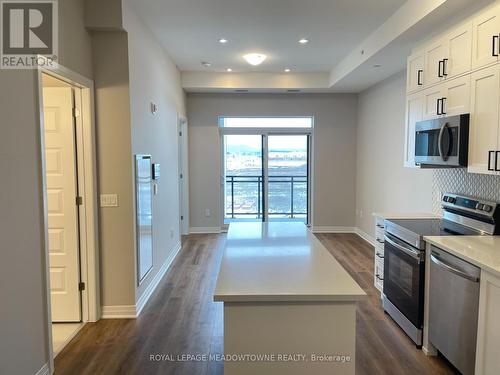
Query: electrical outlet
[{"x": 207, "y": 212}]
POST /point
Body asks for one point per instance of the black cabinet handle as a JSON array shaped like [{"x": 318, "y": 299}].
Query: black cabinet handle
[
  {"x": 379, "y": 255},
  {"x": 439, "y": 69},
  {"x": 378, "y": 277},
  {"x": 445, "y": 61},
  {"x": 442, "y": 106},
  {"x": 489, "y": 160},
  {"x": 380, "y": 226},
  {"x": 494, "y": 48},
  {"x": 419, "y": 77},
  {"x": 438, "y": 109},
  {"x": 496, "y": 161}
]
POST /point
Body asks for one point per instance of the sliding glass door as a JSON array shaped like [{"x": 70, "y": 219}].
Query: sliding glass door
[
  {"x": 287, "y": 171},
  {"x": 266, "y": 176},
  {"x": 243, "y": 180}
]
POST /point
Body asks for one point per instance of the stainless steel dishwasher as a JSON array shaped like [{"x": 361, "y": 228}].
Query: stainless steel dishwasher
[{"x": 453, "y": 309}]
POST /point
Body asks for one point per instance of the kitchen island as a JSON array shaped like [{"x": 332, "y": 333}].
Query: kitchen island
[{"x": 289, "y": 306}]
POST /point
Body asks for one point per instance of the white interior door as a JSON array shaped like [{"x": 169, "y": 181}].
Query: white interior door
[{"x": 61, "y": 177}]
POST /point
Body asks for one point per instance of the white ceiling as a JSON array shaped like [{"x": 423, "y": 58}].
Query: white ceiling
[{"x": 190, "y": 29}]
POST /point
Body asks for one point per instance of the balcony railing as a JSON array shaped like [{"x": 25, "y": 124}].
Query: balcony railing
[{"x": 244, "y": 196}]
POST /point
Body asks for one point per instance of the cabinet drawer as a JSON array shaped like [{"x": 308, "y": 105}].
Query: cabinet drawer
[
  {"x": 379, "y": 277},
  {"x": 379, "y": 256}
]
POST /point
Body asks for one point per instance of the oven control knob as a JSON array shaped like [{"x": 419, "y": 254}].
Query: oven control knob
[
  {"x": 479, "y": 206},
  {"x": 445, "y": 198},
  {"x": 487, "y": 208},
  {"x": 451, "y": 200}
]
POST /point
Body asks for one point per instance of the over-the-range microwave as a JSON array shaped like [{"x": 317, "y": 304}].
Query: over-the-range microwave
[{"x": 442, "y": 142}]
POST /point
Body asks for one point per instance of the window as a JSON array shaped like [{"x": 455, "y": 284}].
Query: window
[{"x": 266, "y": 122}]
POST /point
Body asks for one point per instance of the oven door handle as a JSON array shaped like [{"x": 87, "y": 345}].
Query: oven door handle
[
  {"x": 440, "y": 143},
  {"x": 449, "y": 268},
  {"x": 413, "y": 253}
]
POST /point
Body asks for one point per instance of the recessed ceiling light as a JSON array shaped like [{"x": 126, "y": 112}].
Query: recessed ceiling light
[
  {"x": 254, "y": 58},
  {"x": 229, "y": 70},
  {"x": 304, "y": 41},
  {"x": 206, "y": 64},
  {"x": 287, "y": 70},
  {"x": 223, "y": 40},
  {"x": 377, "y": 66}
]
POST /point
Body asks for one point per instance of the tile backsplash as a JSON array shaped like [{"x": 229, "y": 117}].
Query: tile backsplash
[{"x": 458, "y": 181}]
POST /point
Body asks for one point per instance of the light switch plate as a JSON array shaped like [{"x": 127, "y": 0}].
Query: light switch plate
[{"x": 109, "y": 200}]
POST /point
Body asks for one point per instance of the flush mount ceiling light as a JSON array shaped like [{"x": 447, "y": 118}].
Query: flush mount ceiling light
[
  {"x": 206, "y": 64},
  {"x": 229, "y": 70},
  {"x": 287, "y": 70},
  {"x": 304, "y": 41},
  {"x": 254, "y": 58},
  {"x": 223, "y": 40}
]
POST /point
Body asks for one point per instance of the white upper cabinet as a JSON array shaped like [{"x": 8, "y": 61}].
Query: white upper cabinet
[
  {"x": 414, "y": 114},
  {"x": 432, "y": 102},
  {"x": 415, "y": 72},
  {"x": 456, "y": 97},
  {"x": 435, "y": 53},
  {"x": 485, "y": 39},
  {"x": 484, "y": 121},
  {"x": 458, "y": 52}
]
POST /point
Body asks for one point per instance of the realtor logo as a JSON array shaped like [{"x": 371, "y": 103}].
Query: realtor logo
[{"x": 29, "y": 34}]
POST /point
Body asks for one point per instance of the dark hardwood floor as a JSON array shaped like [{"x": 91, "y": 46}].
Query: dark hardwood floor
[{"x": 181, "y": 318}]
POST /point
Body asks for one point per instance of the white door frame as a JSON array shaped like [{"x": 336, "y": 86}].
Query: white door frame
[
  {"x": 87, "y": 185},
  {"x": 183, "y": 148}
]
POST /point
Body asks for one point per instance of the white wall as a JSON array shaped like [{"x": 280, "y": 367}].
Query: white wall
[
  {"x": 155, "y": 78},
  {"x": 334, "y": 150},
  {"x": 382, "y": 183}
]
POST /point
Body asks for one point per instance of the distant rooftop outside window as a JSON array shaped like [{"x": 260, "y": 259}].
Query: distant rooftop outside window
[{"x": 266, "y": 122}]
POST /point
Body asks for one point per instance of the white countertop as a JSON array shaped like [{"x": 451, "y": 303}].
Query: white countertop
[
  {"x": 406, "y": 215},
  {"x": 279, "y": 261},
  {"x": 482, "y": 251}
]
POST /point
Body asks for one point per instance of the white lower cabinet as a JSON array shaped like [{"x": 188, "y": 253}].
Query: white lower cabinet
[
  {"x": 488, "y": 335},
  {"x": 378, "y": 267}
]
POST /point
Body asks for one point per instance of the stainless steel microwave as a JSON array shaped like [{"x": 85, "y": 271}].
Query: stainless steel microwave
[{"x": 442, "y": 142}]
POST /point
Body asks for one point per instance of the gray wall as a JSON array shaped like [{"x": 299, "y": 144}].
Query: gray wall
[
  {"x": 382, "y": 183},
  {"x": 334, "y": 150},
  {"x": 155, "y": 78},
  {"x": 23, "y": 323}
]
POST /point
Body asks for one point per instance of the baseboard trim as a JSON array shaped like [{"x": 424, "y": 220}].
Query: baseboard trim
[
  {"x": 45, "y": 370},
  {"x": 133, "y": 311},
  {"x": 334, "y": 229},
  {"x": 365, "y": 236},
  {"x": 118, "y": 312},
  {"x": 143, "y": 300},
  {"x": 204, "y": 230}
]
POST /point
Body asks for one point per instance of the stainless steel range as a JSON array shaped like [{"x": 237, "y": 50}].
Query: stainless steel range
[{"x": 404, "y": 254}]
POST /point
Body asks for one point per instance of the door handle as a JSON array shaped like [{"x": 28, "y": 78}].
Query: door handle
[
  {"x": 440, "y": 142},
  {"x": 419, "y": 77},
  {"x": 413, "y": 253},
  {"x": 493, "y": 48},
  {"x": 439, "y": 69},
  {"x": 437, "y": 261},
  {"x": 445, "y": 62},
  {"x": 496, "y": 161},
  {"x": 489, "y": 160}
]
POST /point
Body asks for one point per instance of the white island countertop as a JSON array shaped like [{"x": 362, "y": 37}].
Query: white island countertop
[
  {"x": 482, "y": 251},
  {"x": 280, "y": 261},
  {"x": 406, "y": 215}
]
